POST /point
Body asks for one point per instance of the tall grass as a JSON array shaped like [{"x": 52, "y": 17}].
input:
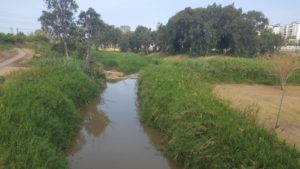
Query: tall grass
[
  {"x": 234, "y": 70},
  {"x": 125, "y": 62},
  {"x": 201, "y": 131},
  {"x": 39, "y": 116}
]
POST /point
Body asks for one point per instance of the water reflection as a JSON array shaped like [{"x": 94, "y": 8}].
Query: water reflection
[{"x": 124, "y": 143}]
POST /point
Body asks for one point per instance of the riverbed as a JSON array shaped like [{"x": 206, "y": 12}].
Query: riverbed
[{"x": 112, "y": 137}]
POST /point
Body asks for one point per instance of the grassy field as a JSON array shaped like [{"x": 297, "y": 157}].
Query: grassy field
[
  {"x": 234, "y": 70},
  {"x": 39, "y": 114},
  {"x": 125, "y": 62},
  {"x": 201, "y": 131}
]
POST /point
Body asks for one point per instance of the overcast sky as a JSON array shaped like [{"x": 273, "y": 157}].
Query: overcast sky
[{"x": 24, "y": 13}]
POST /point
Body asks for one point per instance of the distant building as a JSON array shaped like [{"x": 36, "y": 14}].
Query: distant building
[
  {"x": 291, "y": 32},
  {"x": 276, "y": 29},
  {"x": 14, "y": 30}
]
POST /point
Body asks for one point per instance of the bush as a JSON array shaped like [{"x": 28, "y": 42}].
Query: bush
[
  {"x": 125, "y": 62},
  {"x": 201, "y": 131},
  {"x": 38, "y": 114}
]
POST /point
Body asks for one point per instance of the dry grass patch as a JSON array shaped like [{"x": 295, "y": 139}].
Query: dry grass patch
[{"x": 267, "y": 99}]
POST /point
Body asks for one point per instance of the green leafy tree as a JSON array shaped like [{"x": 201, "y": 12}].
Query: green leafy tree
[
  {"x": 269, "y": 42},
  {"x": 91, "y": 28},
  {"x": 111, "y": 37},
  {"x": 215, "y": 29},
  {"x": 142, "y": 39},
  {"x": 58, "y": 20}
]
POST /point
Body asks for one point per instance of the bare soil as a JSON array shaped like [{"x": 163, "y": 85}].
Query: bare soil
[
  {"x": 267, "y": 99},
  {"x": 10, "y": 62},
  {"x": 114, "y": 75},
  {"x": 4, "y": 55}
]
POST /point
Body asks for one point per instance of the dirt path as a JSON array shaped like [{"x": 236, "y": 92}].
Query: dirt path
[
  {"x": 20, "y": 54},
  {"x": 13, "y": 62},
  {"x": 267, "y": 100}
]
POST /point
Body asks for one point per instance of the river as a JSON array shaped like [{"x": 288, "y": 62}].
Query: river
[{"x": 112, "y": 136}]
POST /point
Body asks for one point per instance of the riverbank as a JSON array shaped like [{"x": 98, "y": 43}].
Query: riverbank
[
  {"x": 202, "y": 131},
  {"x": 39, "y": 114}
]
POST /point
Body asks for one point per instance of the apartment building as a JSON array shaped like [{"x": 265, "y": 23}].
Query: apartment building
[{"x": 290, "y": 31}]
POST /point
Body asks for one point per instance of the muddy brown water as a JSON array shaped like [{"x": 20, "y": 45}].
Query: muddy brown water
[{"x": 112, "y": 136}]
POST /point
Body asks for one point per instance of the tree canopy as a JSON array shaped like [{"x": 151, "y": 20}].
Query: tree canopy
[
  {"x": 59, "y": 20},
  {"x": 216, "y": 29}
]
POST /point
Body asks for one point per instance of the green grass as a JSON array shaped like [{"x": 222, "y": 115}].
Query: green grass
[
  {"x": 201, "y": 131},
  {"x": 235, "y": 70},
  {"x": 125, "y": 62},
  {"x": 39, "y": 115}
]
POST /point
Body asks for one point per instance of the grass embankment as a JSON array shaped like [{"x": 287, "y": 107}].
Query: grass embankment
[
  {"x": 201, "y": 131},
  {"x": 234, "y": 70},
  {"x": 39, "y": 115},
  {"x": 125, "y": 62}
]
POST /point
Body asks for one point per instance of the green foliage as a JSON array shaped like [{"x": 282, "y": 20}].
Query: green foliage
[
  {"x": 201, "y": 131},
  {"x": 58, "y": 20},
  {"x": 138, "y": 41},
  {"x": 234, "y": 70},
  {"x": 38, "y": 113},
  {"x": 9, "y": 40},
  {"x": 269, "y": 42},
  {"x": 215, "y": 29},
  {"x": 125, "y": 62}
]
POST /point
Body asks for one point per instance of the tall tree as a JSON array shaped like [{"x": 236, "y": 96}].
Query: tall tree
[
  {"x": 58, "y": 20},
  {"x": 142, "y": 39},
  {"x": 92, "y": 26}
]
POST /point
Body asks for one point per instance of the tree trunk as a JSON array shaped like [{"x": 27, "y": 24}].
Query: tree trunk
[
  {"x": 66, "y": 49},
  {"x": 280, "y": 107}
]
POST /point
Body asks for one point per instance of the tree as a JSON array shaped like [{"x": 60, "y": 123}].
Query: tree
[
  {"x": 269, "y": 42},
  {"x": 92, "y": 26},
  {"x": 58, "y": 20},
  {"x": 125, "y": 43},
  {"x": 111, "y": 37},
  {"x": 283, "y": 66},
  {"x": 257, "y": 19},
  {"x": 202, "y": 31},
  {"x": 142, "y": 39}
]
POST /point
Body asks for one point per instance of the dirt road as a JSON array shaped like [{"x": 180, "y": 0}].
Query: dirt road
[
  {"x": 9, "y": 64},
  {"x": 20, "y": 54}
]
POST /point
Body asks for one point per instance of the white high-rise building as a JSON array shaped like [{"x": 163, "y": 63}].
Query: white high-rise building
[{"x": 290, "y": 31}]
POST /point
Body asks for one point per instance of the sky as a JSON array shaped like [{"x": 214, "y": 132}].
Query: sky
[{"x": 24, "y": 14}]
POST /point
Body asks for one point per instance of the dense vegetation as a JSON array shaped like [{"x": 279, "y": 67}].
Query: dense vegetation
[
  {"x": 204, "y": 31},
  {"x": 215, "y": 29},
  {"x": 125, "y": 62},
  {"x": 39, "y": 113},
  {"x": 234, "y": 70},
  {"x": 201, "y": 131},
  {"x": 9, "y": 40}
]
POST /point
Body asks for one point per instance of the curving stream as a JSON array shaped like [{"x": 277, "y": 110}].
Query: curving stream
[{"x": 115, "y": 139}]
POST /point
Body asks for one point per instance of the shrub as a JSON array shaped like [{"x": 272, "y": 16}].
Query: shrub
[{"x": 39, "y": 114}]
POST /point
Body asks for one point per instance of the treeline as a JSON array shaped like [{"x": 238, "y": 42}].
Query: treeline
[
  {"x": 200, "y": 31},
  {"x": 206, "y": 31},
  {"x": 20, "y": 38},
  {"x": 217, "y": 29}
]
